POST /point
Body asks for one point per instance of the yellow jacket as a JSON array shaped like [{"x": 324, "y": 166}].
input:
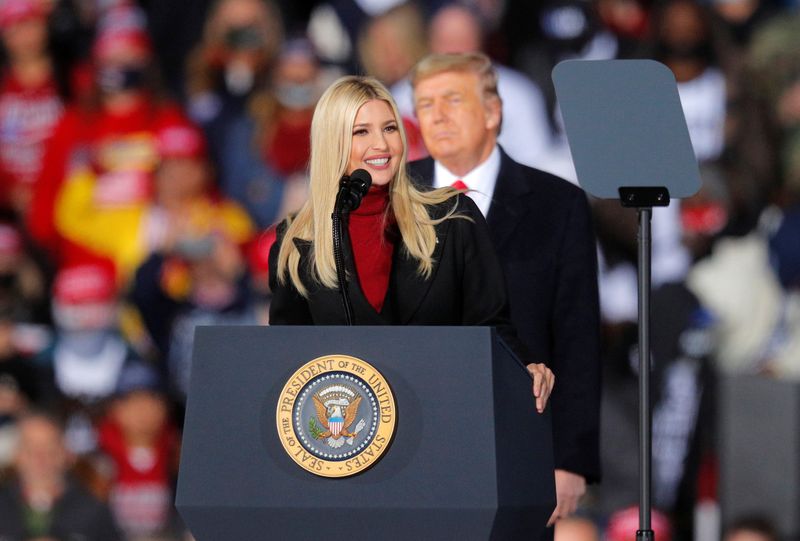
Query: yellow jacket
[{"x": 124, "y": 232}]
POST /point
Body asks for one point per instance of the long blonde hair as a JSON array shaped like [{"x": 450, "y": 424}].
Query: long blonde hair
[{"x": 331, "y": 141}]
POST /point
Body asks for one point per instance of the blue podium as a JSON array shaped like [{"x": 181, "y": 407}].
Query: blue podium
[{"x": 469, "y": 458}]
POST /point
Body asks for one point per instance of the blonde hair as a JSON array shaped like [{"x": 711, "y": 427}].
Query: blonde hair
[
  {"x": 331, "y": 140},
  {"x": 477, "y": 63}
]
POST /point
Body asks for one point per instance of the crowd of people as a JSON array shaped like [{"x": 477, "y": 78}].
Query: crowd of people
[{"x": 147, "y": 150}]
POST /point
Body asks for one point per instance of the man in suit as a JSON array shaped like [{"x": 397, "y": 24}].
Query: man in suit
[{"x": 542, "y": 231}]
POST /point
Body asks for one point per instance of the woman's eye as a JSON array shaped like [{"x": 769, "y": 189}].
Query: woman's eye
[
  {"x": 391, "y": 128},
  {"x": 361, "y": 131}
]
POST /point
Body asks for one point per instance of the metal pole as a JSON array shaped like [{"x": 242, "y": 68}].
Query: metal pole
[{"x": 645, "y": 421}]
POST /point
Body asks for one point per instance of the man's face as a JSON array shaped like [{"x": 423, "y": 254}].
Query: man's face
[
  {"x": 458, "y": 124},
  {"x": 41, "y": 456}
]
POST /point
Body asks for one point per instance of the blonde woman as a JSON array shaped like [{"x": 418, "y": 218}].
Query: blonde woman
[{"x": 413, "y": 257}]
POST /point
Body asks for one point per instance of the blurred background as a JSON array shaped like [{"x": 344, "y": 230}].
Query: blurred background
[{"x": 146, "y": 149}]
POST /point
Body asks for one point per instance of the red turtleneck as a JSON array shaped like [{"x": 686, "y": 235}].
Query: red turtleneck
[{"x": 372, "y": 247}]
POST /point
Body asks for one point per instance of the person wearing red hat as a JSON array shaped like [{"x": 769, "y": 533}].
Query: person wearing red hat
[
  {"x": 83, "y": 365},
  {"x": 196, "y": 242},
  {"x": 31, "y": 99},
  {"x": 111, "y": 137}
]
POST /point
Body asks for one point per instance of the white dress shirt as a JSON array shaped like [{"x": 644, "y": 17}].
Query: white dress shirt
[{"x": 480, "y": 181}]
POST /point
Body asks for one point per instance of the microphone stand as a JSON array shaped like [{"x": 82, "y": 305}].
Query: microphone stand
[
  {"x": 352, "y": 189},
  {"x": 339, "y": 215}
]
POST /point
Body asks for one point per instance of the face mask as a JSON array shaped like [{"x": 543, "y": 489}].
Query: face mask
[
  {"x": 195, "y": 249},
  {"x": 239, "y": 78},
  {"x": 243, "y": 38},
  {"x": 691, "y": 51},
  {"x": 84, "y": 317},
  {"x": 296, "y": 96},
  {"x": 7, "y": 281},
  {"x": 120, "y": 79}
]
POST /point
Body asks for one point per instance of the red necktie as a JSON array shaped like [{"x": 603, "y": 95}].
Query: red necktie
[{"x": 460, "y": 186}]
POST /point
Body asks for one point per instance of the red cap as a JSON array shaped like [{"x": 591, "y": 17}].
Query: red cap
[
  {"x": 259, "y": 251},
  {"x": 121, "y": 26},
  {"x": 10, "y": 240},
  {"x": 708, "y": 219},
  {"x": 14, "y": 11},
  {"x": 85, "y": 284},
  {"x": 622, "y": 525},
  {"x": 181, "y": 141}
]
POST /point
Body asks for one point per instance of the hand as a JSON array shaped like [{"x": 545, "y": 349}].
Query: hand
[
  {"x": 543, "y": 382},
  {"x": 569, "y": 489}
]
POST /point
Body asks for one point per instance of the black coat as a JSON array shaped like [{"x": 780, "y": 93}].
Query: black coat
[
  {"x": 541, "y": 229},
  {"x": 466, "y": 286},
  {"x": 76, "y": 515}
]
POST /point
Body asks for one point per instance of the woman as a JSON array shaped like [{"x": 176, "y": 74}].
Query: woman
[{"x": 413, "y": 257}]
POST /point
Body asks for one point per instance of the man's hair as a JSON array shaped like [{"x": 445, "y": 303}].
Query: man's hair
[
  {"x": 477, "y": 63},
  {"x": 36, "y": 414},
  {"x": 753, "y": 523}
]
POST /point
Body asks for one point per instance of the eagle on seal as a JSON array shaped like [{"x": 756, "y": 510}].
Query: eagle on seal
[{"x": 335, "y": 421}]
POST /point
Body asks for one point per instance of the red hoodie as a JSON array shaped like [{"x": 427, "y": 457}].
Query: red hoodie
[{"x": 109, "y": 143}]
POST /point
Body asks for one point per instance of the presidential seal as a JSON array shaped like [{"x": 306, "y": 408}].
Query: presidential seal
[{"x": 336, "y": 416}]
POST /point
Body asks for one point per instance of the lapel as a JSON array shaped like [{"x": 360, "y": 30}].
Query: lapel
[
  {"x": 407, "y": 288},
  {"x": 421, "y": 171},
  {"x": 404, "y": 295},
  {"x": 509, "y": 201}
]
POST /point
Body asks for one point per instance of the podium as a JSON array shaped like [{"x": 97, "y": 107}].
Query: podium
[{"x": 470, "y": 458}]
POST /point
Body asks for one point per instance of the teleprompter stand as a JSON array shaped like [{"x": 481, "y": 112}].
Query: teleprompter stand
[{"x": 629, "y": 140}]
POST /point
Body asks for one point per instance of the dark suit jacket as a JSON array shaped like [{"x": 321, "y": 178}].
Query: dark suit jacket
[
  {"x": 542, "y": 231},
  {"x": 76, "y": 515},
  {"x": 466, "y": 286}
]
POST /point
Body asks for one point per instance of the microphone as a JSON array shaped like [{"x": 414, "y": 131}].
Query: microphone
[{"x": 353, "y": 188}]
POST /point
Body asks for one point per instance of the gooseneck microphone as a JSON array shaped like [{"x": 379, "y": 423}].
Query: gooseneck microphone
[{"x": 352, "y": 190}]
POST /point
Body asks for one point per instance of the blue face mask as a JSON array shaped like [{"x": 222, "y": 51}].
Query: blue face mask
[
  {"x": 113, "y": 79},
  {"x": 296, "y": 96}
]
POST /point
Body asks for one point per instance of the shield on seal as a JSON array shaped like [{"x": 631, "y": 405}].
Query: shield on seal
[{"x": 335, "y": 425}]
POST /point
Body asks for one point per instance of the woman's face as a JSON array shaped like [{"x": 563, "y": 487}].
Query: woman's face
[
  {"x": 377, "y": 145},
  {"x": 26, "y": 38}
]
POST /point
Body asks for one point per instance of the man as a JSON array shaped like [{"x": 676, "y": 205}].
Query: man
[
  {"x": 542, "y": 231},
  {"x": 43, "y": 502},
  {"x": 456, "y": 28}
]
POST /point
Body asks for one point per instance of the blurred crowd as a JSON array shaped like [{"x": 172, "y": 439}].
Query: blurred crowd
[{"x": 146, "y": 149}]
